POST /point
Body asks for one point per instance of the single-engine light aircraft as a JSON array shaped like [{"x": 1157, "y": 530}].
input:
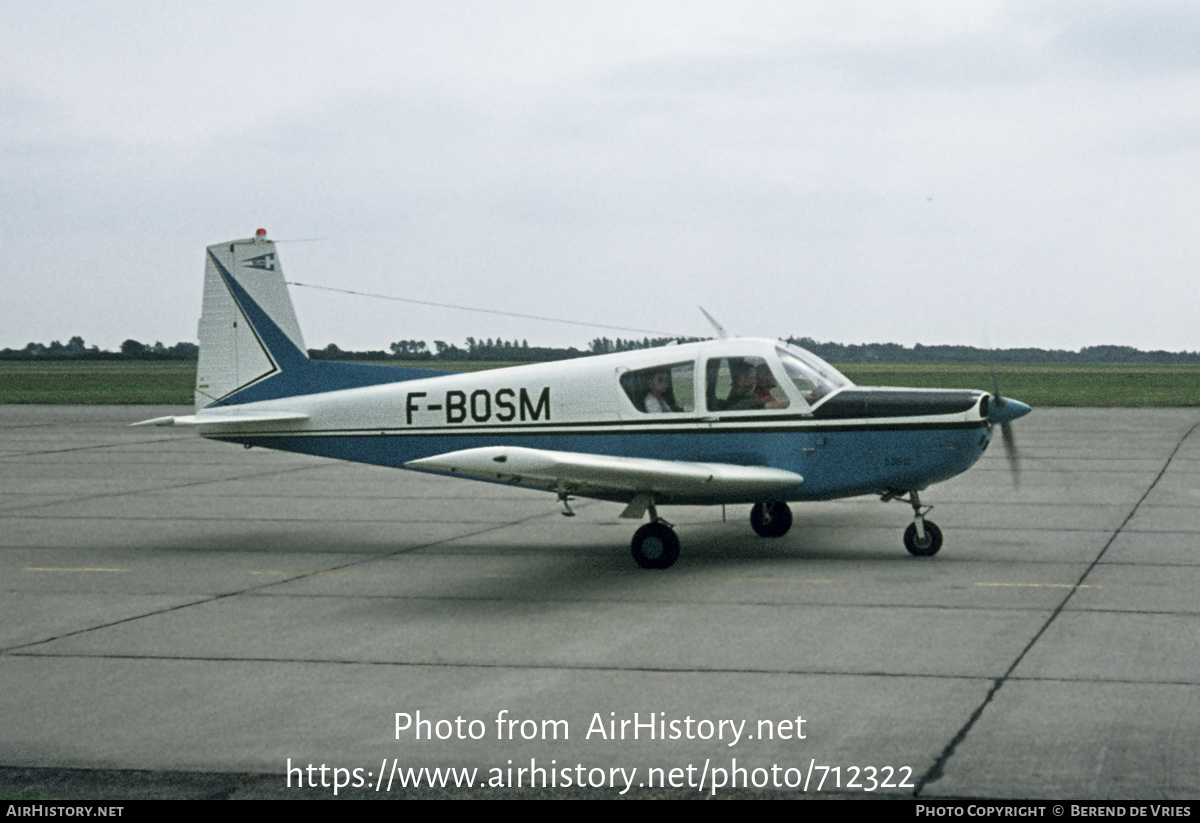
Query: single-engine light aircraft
[{"x": 730, "y": 420}]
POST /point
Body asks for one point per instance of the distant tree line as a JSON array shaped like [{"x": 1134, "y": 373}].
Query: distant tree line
[
  {"x": 519, "y": 351},
  {"x": 76, "y": 349},
  {"x": 602, "y": 345},
  {"x": 507, "y": 351},
  {"x": 895, "y": 353}
]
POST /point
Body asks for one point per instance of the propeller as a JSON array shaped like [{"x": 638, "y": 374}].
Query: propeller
[{"x": 1004, "y": 410}]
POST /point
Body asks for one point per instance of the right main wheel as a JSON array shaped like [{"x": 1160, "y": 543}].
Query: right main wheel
[{"x": 923, "y": 548}]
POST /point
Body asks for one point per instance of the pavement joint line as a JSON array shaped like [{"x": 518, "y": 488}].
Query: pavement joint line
[
  {"x": 1044, "y": 585},
  {"x": 257, "y": 591},
  {"x": 107, "y": 495},
  {"x": 937, "y": 770},
  {"x": 1106, "y": 681},
  {"x": 785, "y": 580},
  {"x": 8, "y": 455},
  {"x": 580, "y": 549},
  {"x": 450, "y": 664},
  {"x": 1146, "y": 612},
  {"x": 19, "y": 511},
  {"x": 857, "y": 607},
  {"x": 388, "y": 555},
  {"x": 446, "y": 664},
  {"x": 252, "y": 589},
  {"x": 84, "y": 630},
  {"x": 669, "y": 603}
]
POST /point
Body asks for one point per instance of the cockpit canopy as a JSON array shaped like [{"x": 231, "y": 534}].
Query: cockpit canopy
[{"x": 733, "y": 378}]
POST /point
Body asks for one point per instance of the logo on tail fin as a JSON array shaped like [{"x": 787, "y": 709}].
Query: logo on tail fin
[{"x": 266, "y": 262}]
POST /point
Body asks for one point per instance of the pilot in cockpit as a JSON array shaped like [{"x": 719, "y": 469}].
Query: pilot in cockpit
[{"x": 742, "y": 396}]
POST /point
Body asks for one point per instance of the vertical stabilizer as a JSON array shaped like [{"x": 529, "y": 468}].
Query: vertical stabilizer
[
  {"x": 250, "y": 344},
  {"x": 248, "y": 329}
]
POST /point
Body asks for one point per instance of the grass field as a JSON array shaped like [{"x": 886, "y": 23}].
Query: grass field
[
  {"x": 1038, "y": 384},
  {"x": 1035, "y": 384}
]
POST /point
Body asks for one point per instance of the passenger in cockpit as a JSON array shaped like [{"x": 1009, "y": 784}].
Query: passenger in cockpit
[
  {"x": 658, "y": 393},
  {"x": 764, "y": 388}
]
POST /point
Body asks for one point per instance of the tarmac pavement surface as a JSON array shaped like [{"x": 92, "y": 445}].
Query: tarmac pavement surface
[{"x": 185, "y": 618}]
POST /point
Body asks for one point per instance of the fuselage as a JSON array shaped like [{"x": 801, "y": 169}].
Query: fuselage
[{"x": 801, "y": 415}]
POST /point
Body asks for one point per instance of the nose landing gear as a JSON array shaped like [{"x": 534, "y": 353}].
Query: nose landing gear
[
  {"x": 922, "y": 538},
  {"x": 920, "y": 545}
]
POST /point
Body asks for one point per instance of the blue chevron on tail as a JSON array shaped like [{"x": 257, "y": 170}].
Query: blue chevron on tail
[{"x": 251, "y": 347}]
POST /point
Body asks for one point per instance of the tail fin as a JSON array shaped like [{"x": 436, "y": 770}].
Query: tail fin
[
  {"x": 250, "y": 343},
  {"x": 248, "y": 329}
]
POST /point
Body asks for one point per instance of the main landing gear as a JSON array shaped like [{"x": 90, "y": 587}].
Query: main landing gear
[
  {"x": 922, "y": 538},
  {"x": 771, "y": 519},
  {"x": 655, "y": 545}
]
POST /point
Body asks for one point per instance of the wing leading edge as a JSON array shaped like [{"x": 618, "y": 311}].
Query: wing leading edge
[{"x": 611, "y": 478}]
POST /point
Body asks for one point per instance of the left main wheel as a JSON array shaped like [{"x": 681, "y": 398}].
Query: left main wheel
[
  {"x": 655, "y": 546},
  {"x": 923, "y": 548},
  {"x": 771, "y": 519}
]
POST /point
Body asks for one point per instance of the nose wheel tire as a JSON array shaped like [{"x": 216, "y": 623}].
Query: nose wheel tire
[
  {"x": 771, "y": 519},
  {"x": 655, "y": 546},
  {"x": 923, "y": 548}
]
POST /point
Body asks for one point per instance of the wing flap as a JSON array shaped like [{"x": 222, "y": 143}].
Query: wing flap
[{"x": 602, "y": 474}]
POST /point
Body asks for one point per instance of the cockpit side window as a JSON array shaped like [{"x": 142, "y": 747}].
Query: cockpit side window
[
  {"x": 662, "y": 389},
  {"x": 742, "y": 384}
]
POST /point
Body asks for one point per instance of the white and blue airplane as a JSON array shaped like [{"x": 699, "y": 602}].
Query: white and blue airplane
[{"x": 731, "y": 420}]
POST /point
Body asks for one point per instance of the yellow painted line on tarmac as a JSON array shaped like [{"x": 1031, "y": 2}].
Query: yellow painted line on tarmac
[
  {"x": 56, "y": 569},
  {"x": 1044, "y": 585}
]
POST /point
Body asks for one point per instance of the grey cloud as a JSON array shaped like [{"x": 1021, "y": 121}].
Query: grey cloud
[{"x": 1144, "y": 37}]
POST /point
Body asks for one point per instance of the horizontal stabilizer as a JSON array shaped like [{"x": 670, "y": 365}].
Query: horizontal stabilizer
[
  {"x": 225, "y": 419},
  {"x": 600, "y": 475}
]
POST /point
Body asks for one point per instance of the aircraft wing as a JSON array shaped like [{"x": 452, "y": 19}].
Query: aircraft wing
[{"x": 594, "y": 475}]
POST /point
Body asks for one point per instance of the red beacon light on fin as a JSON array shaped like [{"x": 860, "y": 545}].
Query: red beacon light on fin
[{"x": 261, "y": 233}]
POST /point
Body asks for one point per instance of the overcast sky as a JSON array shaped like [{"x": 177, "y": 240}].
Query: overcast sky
[{"x": 1005, "y": 174}]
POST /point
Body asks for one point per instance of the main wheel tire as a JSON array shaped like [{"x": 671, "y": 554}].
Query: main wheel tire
[
  {"x": 771, "y": 519},
  {"x": 655, "y": 546},
  {"x": 923, "y": 548}
]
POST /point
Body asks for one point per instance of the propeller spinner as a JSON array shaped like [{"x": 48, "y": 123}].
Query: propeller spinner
[{"x": 1004, "y": 410}]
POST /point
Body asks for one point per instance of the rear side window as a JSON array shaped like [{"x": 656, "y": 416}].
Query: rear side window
[{"x": 662, "y": 389}]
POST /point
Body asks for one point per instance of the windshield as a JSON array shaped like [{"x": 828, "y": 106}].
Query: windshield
[{"x": 812, "y": 376}]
